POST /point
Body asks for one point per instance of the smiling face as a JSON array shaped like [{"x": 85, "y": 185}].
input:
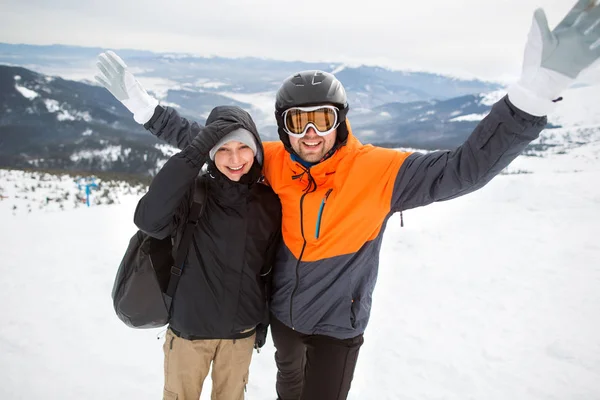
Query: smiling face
[
  {"x": 312, "y": 147},
  {"x": 234, "y": 159}
]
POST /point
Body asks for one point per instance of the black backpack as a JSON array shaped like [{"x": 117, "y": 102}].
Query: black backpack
[{"x": 148, "y": 276}]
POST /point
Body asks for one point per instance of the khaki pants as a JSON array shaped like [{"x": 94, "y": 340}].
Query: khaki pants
[{"x": 187, "y": 363}]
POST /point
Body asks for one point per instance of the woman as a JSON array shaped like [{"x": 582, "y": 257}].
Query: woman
[{"x": 220, "y": 308}]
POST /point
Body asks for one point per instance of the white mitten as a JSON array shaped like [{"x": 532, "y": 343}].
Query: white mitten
[
  {"x": 115, "y": 77},
  {"x": 554, "y": 59}
]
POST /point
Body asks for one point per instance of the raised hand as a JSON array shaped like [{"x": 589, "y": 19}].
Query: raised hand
[
  {"x": 120, "y": 82},
  {"x": 554, "y": 59}
]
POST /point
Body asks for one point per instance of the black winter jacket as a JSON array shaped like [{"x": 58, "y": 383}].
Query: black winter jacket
[{"x": 222, "y": 289}]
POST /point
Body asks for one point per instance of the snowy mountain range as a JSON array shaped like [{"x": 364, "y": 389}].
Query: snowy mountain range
[
  {"x": 367, "y": 86},
  {"x": 53, "y": 123},
  {"x": 50, "y": 121}
]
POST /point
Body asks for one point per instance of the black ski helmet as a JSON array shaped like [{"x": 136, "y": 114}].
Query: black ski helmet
[{"x": 311, "y": 88}]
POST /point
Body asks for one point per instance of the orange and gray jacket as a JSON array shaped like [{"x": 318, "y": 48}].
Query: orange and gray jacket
[{"x": 334, "y": 213}]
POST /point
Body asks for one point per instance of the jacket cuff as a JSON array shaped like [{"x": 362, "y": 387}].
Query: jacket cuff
[
  {"x": 158, "y": 110},
  {"x": 143, "y": 115},
  {"x": 529, "y": 102}
]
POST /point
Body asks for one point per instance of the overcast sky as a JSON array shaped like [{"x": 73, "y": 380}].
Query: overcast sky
[{"x": 466, "y": 38}]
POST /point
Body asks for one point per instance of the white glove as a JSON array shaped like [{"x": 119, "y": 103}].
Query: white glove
[
  {"x": 554, "y": 60},
  {"x": 115, "y": 77}
]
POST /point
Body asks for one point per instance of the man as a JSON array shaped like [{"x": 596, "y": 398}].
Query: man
[{"x": 337, "y": 196}]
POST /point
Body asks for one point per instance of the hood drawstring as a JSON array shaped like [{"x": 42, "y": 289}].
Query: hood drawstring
[
  {"x": 401, "y": 220},
  {"x": 311, "y": 180}
]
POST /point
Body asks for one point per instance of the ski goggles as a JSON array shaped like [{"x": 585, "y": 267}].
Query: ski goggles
[{"x": 297, "y": 120}]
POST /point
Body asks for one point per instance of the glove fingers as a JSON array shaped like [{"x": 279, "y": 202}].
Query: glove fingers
[
  {"x": 117, "y": 63},
  {"x": 575, "y": 13},
  {"x": 108, "y": 68},
  {"x": 590, "y": 21},
  {"x": 589, "y": 26},
  {"x": 540, "y": 20},
  {"x": 102, "y": 81},
  {"x": 104, "y": 71}
]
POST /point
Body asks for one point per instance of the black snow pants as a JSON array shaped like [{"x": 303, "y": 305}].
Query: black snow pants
[{"x": 313, "y": 367}]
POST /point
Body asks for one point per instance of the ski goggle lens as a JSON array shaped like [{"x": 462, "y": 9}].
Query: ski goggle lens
[{"x": 323, "y": 119}]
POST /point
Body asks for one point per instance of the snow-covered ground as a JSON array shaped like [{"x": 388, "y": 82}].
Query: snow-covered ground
[{"x": 24, "y": 192}]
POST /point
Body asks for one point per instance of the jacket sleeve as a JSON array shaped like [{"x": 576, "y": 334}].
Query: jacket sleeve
[
  {"x": 167, "y": 125},
  {"x": 267, "y": 271},
  {"x": 443, "y": 175},
  {"x": 266, "y": 274},
  {"x": 158, "y": 211}
]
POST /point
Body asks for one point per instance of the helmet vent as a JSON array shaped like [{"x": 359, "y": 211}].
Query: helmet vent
[
  {"x": 297, "y": 80},
  {"x": 318, "y": 78}
]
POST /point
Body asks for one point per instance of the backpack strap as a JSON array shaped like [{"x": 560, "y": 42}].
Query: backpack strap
[{"x": 196, "y": 212}]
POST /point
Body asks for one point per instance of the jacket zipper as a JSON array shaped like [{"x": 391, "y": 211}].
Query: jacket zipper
[
  {"x": 311, "y": 183},
  {"x": 321, "y": 209}
]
